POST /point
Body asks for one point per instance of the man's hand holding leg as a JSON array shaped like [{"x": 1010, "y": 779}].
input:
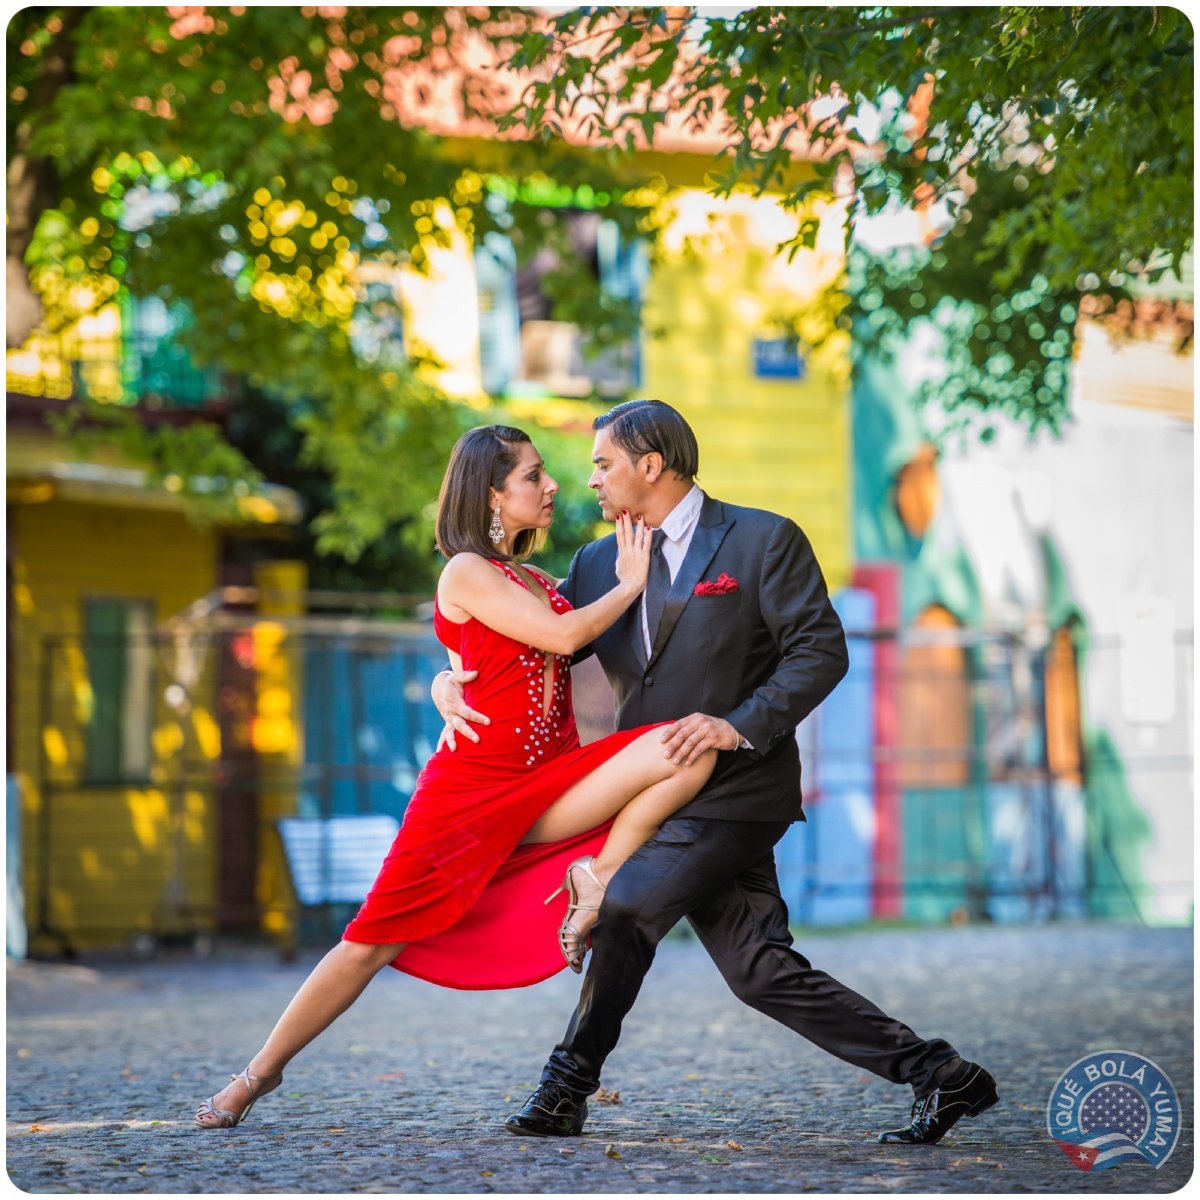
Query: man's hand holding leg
[{"x": 690, "y": 736}]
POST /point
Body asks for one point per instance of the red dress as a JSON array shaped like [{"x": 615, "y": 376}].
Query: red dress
[{"x": 456, "y": 886}]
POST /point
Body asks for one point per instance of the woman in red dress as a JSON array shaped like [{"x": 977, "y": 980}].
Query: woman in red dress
[{"x": 492, "y": 827}]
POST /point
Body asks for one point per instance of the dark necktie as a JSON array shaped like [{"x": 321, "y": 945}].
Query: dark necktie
[{"x": 657, "y": 585}]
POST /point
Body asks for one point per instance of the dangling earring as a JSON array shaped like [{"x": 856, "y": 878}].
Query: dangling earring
[{"x": 495, "y": 529}]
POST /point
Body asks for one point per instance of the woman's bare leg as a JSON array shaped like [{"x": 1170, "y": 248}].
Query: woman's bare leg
[
  {"x": 638, "y": 786},
  {"x": 332, "y": 986}
]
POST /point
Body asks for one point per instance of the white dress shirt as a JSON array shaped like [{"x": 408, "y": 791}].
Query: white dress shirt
[{"x": 679, "y": 525}]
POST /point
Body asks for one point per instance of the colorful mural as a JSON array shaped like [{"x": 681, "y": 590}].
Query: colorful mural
[{"x": 1076, "y": 555}]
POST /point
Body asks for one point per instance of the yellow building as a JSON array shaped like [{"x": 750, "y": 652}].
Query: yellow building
[
  {"x": 113, "y": 726},
  {"x": 719, "y": 307},
  {"x": 773, "y": 423}
]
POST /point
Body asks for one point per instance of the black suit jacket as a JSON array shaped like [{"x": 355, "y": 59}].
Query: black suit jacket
[{"x": 763, "y": 657}]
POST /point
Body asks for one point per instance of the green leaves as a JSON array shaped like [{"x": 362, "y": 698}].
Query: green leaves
[
  {"x": 247, "y": 165},
  {"x": 264, "y": 154},
  {"x": 662, "y": 64},
  {"x": 1058, "y": 139}
]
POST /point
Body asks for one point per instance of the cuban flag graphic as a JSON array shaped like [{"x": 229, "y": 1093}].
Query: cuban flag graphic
[
  {"x": 1113, "y": 1107},
  {"x": 1102, "y": 1150},
  {"x": 1113, "y": 1119}
]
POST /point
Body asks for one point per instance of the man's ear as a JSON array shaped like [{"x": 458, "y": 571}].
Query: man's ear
[{"x": 651, "y": 466}]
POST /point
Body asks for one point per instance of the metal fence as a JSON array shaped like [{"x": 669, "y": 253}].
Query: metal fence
[
  {"x": 953, "y": 775},
  {"x": 961, "y": 775}
]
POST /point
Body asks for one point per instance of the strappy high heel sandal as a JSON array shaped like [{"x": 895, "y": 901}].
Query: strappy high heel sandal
[
  {"x": 227, "y": 1118},
  {"x": 571, "y": 942}
]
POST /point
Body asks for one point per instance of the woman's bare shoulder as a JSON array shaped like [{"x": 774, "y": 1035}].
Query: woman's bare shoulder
[{"x": 465, "y": 568}]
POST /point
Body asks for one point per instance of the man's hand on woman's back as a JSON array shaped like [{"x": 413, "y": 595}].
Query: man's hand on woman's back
[{"x": 447, "y": 693}]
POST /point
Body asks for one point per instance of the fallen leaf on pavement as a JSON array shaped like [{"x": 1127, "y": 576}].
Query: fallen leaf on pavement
[
  {"x": 611, "y": 1151},
  {"x": 35, "y": 1128},
  {"x": 487, "y": 1172},
  {"x": 734, "y": 1145},
  {"x": 674, "y": 1140},
  {"x": 604, "y": 1096}
]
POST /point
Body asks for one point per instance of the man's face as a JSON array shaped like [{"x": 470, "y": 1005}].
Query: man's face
[{"x": 617, "y": 482}]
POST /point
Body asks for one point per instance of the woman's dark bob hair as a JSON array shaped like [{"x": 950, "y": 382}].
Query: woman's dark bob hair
[{"x": 482, "y": 458}]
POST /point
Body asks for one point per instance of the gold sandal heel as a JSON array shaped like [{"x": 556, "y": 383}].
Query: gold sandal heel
[
  {"x": 226, "y": 1118},
  {"x": 571, "y": 942}
]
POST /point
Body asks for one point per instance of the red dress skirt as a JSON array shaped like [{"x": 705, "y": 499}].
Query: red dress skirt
[{"x": 457, "y": 887}]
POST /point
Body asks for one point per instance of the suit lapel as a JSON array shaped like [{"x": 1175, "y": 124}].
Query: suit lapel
[
  {"x": 631, "y": 623},
  {"x": 710, "y": 532}
]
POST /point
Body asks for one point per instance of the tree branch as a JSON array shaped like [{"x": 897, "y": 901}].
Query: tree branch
[{"x": 33, "y": 180}]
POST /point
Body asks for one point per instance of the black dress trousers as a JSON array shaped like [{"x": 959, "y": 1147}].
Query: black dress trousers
[{"x": 720, "y": 875}]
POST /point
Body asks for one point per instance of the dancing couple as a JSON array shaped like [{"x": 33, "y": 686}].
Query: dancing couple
[{"x": 694, "y": 608}]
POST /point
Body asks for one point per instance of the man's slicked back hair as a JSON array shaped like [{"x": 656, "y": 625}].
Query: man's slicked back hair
[{"x": 639, "y": 427}]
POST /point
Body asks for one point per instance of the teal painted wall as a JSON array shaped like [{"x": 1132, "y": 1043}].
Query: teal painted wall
[{"x": 949, "y": 834}]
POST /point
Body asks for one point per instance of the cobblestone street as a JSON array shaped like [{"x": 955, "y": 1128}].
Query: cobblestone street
[{"x": 106, "y": 1063}]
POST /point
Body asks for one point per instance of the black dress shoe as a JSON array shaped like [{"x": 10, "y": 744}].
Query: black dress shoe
[
  {"x": 551, "y": 1111},
  {"x": 968, "y": 1094}
]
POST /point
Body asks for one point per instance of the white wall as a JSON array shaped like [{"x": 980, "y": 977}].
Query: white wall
[{"x": 1115, "y": 496}]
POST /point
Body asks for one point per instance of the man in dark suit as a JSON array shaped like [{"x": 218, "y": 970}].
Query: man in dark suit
[{"x": 735, "y": 620}]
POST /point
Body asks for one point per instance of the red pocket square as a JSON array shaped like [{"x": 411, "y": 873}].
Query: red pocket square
[{"x": 724, "y": 585}]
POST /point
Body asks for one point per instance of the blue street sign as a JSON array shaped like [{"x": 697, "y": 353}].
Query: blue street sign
[{"x": 778, "y": 358}]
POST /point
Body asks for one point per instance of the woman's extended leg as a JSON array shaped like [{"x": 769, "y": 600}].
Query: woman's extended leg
[
  {"x": 333, "y": 985},
  {"x": 641, "y": 788}
]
